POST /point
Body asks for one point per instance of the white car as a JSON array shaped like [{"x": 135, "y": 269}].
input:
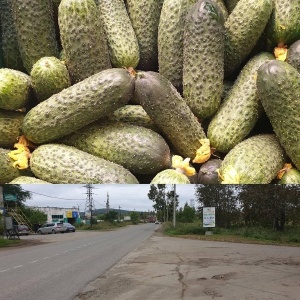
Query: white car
[{"x": 54, "y": 228}]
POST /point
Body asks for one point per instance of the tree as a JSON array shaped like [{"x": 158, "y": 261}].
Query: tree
[
  {"x": 187, "y": 214},
  {"x": 34, "y": 216},
  {"x": 15, "y": 189},
  {"x": 157, "y": 195},
  {"x": 134, "y": 216},
  {"x": 111, "y": 216},
  {"x": 223, "y": 198}
]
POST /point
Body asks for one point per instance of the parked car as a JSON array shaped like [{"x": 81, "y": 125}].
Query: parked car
[
  {"x": 54, "y": 228},
  {"x": 22, "y": 229},
  {"x": 156, "y": 222},
  {"x": 70, "y": 227}
]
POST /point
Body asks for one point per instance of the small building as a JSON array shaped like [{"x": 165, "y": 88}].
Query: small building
[{"x": 59, "y": 214}]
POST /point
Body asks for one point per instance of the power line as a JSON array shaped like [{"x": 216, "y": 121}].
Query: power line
[{"x": 56, "y": 197}]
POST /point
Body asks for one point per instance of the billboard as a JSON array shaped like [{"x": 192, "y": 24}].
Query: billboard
[
  {"x": 209, "y": 217},
  {"x": 10, "y": 197}
]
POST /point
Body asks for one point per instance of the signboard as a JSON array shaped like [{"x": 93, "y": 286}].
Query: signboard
[
  {"x": 1, "y": 197},
  {"x": 10, "y": 197},
  {"x": 209, "y": 217},
  {"x": 74, "y": 214},
  {"x": 2, "y": 211},
  {"x": 69, "y": 214},
  {"x": 9, "y": 223}
]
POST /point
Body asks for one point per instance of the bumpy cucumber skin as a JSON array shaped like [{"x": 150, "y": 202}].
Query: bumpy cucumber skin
[
  {"x": 291, "y": 176},
  {"x": 135, "y": 115},
  {"x": 278, "y": 86},
  {"x": 170, "y": 39},
  {"x": 243, "y": 28},
  {"x": 83, "y": 38},
  {"x": 138, "y": 149},
  {"x": 15, "y": 89},
  {"x": 57, "y": 163},
  {"x": 257, "y": 160},
  {"x": 49, "y": 76},
  {"x": 10, "y": 127},
  {"x": 169, "y": 111},
  {"x": 11, "y": 53},
  {"x": 7, "y": 171},
  {"x": 170, "y": 176},
  {"x": 293, "y": 55},
  {"x": 203, "y": 58},
  {"x": 240, "y": 110},
  {"x": 122, "y": 42},
  {"x": 78, "y": 105},
  {"x": 284, "y": 24},
  {"x": 28, "y": 180},
  {"x": 145, "y": 14},
  {"x": 35, "y": 30}
]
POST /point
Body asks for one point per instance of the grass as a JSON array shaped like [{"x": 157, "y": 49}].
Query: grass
[
  {"x": 7, "y": 243},
  {"x": 253, "y": 235},
  {"x": 102, "y": 226}
]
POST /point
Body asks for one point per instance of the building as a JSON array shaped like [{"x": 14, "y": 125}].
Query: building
[{"x": 59, "y": 214}]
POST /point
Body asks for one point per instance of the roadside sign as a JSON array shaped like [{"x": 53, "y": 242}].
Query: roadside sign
[
  {"x": 209, "y": 217},
  {"x": 10, "y": 197}
]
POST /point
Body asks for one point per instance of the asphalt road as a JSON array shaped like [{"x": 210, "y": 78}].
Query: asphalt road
[{"x": 62, "y": 267}]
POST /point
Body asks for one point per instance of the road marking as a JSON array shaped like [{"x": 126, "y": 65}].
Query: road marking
[
  {"x": 19, "y": 266},
  {"x": 46, "y": 257},
  {"x": 34, "y": 261},
  {"x": 4, "y": 270}
]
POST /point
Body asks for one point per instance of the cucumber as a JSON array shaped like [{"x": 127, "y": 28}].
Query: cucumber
[
  {"x": 83, "y": 38},
  {"x": 293, "y": 55},
  {"x": 203, "y": 58},
  {"x": 57, "y": 163},
  {"x": 283, "y": 27},
  {"x": 133, "y": 114},
  {"x": 35, "y": 30},
  {"x": 11, "y": 53},
  {"x": 145, "y": 14},
  {"x": 170, "y": 176},
  {"x": 291, "y": 176},
  {"x": 78, "y": 105},
  {"x": 7, "y": 171},
  {"x": 170, "y": 39},
  {"x": 15, "y": 89},
  {"x": 10, "y": 127},
  {"x": 122, "y": 41},
  {"x": 278, "y": 86},
  {"x": 138, "y": 149},
  {"x": 28, "y": 180},
  {"x": 169, "y": 111},
  {"x": 49, "y": 76},
  {"x": 208, "y": 172},
  {"x": 243, "y": 28},
  {"x": 240, "y": 110},
  {"x": 255, "y": 160}
]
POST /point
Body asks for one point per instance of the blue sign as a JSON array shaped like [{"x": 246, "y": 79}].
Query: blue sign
[
  {"x": 74, "y": 214},
  {"x": 10, "y": 197}
]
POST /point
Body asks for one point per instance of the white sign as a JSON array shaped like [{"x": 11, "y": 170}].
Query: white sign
[{"x": 209, "y": 217}]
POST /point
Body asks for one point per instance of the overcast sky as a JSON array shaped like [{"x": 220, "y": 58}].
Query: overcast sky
[{"x": 127, "y": 196}]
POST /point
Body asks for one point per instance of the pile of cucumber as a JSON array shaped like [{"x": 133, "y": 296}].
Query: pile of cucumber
[{"x": 108, "y": 91}]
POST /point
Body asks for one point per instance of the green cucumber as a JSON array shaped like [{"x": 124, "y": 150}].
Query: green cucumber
[
  {"x": 291, "y": 176},
  {"x": 28, "y": 180},
  {"x": 169, "y": 111},
  {"x": 57, "y": 163},
  {"x": 35, "y": 30},
  {"x": 145, "y": 14},
  {"x": 283, "y": 27},
  {"x": 11, "y": 53},
  {"x": 10, "y": 127},
  {"x": 293, "y": 55},
  {"x": 170, "y": 176},
  {"x": 203, "y": 58},
  {"x": 49, "y": 76},
  {"x": 278, "y": 86},
  {"x": 122, "y": 41},
  {"x": 240, "y": 110},
  {"x": 170, "y": 39},
  {"x": 138, "y": 149},
  {"x": 79, "y": 105},
  {"x": 15, "y": 89},
  {"x": 243, "y": 28},
  {"x": 83, "y": 38},
  {"x": 255, "y": 160},
  {"x": 7, "y": 171}
]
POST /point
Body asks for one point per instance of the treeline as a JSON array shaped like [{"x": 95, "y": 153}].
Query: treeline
[{"x": 274, "y": 206}]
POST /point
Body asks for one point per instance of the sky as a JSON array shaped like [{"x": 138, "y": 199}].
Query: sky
[{"x": 127, "y": 196}]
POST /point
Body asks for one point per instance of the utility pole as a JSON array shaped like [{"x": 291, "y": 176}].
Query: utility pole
[
  {"x": 174, "y": 207},
  {"x": 119, "y": 218},
  {"x": 89, "y": 204},
  {"x": 107, "y": 203},
  {"x": 165, "y": 204}
]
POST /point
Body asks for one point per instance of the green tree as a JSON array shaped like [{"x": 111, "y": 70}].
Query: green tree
[
  {"x": 15, "y": 189},
  {"x": 111, "y": 216},
  {"x": 135, "y": 217},
  {"x": 34, "y": 216},
  {"x": 187, "y": 214}
]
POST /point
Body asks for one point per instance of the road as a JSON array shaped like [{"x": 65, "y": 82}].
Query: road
[{"x": 60, "y": 269}]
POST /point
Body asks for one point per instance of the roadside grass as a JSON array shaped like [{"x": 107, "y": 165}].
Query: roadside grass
[
  {"x": 253, "y": 235},
  {"x": 105, "y": 225},
  {"x": 4, "y": 242}
]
